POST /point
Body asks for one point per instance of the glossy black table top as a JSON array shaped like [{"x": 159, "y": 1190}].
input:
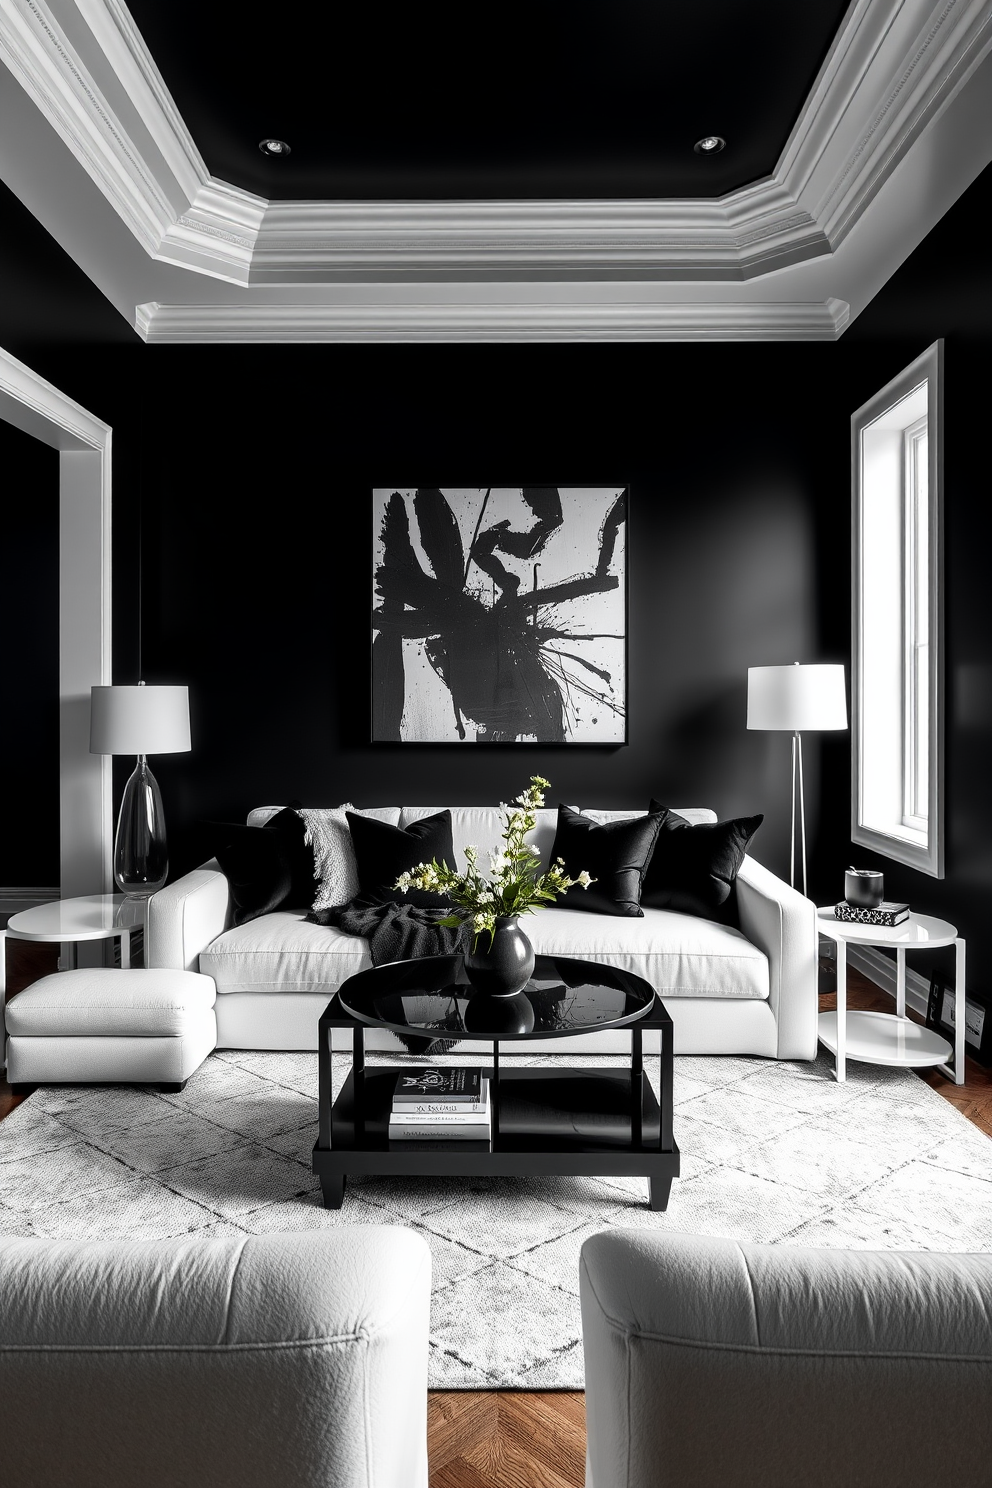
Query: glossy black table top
[{"x": 433, "y": 996}]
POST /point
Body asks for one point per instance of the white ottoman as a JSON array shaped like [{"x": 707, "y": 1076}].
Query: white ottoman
[{"x": 105, "y": 1027}]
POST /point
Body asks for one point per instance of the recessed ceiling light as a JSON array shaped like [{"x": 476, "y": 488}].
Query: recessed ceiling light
[
  {"x": 274, "y": 147},
  {"x": 710, "y": 144}
]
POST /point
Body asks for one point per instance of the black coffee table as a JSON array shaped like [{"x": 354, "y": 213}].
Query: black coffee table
[{"x": 592, "y": 1122}]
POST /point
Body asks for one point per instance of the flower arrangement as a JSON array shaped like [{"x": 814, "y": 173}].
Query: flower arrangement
[{"x": 515, "y": 884}]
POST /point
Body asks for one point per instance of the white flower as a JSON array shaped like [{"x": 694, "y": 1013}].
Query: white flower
[
  {"x": 584, "y": 879},
  {"x": 497, "y": 862},
  {"x": 535, "y": 850}
]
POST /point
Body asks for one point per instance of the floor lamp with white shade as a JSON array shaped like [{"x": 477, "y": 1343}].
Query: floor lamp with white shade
[
  {"x": 796, "y": 699},
  {"x": 140, "y": 720}
]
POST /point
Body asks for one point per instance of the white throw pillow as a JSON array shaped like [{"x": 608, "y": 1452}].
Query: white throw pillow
[{"x": 334, "y": 867}]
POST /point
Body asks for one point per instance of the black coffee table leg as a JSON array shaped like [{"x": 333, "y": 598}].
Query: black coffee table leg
[
  {"x": 332, "y": 1188},
  {"x": 658, "y": 1193},
  {"x": 636, "y": 1088}
]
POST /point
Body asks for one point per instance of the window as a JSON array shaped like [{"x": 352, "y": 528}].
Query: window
[{"x": 896, "y": 802}]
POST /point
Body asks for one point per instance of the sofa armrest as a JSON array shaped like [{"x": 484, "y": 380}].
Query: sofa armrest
[
  {"x": 184, "y": 917},
  {"x": 782, "y": 923}
]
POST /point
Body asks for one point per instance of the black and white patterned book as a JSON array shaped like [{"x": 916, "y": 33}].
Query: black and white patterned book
[
  {"x": 429, "y": 1084},
  {"x": 886, "y": 913}
]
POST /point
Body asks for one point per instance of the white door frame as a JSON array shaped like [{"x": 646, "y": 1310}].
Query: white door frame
[{"x": 85, "y": 780}]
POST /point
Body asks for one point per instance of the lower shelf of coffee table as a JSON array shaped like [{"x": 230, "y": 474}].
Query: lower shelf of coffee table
[{"x": 566, "y": 1122}]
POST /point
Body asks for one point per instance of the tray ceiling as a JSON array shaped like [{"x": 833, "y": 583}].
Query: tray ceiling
[
  {"x": 563, "y": 99},
  {"x": 526, "y": 182}
]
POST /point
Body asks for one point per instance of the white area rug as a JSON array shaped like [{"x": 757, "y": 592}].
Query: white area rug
[{"x": 770, "y": 1152}]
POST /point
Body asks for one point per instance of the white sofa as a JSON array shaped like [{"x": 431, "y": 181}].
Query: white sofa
[
  {"x": 750, "y": 991},
  {"x": 231, "y": 1362}
]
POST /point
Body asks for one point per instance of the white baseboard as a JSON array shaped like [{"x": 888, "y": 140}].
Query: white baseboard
[
  {"x": 878, "y": 968},
  {"x": 13, "y": 900}
]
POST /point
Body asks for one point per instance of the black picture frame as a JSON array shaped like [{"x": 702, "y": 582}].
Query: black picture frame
[
  {"x": 978, "y": 1017},
  {"x": 560, "y": 693}
]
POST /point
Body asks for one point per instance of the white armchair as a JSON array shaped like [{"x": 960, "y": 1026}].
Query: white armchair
[
  {"x": 716, "y": 1365},
  {"x": 239, "y": 1363}
]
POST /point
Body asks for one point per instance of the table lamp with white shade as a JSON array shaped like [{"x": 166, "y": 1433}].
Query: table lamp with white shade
[
  {"x": 796, "y": 699},
  {"x": 141, "y": 721}
]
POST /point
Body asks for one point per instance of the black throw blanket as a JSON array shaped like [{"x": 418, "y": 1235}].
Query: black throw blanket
[{"x": 399, "y": 932}]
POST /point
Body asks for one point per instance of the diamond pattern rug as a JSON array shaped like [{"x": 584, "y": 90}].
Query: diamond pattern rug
[{"x": 770, "y": 1152}]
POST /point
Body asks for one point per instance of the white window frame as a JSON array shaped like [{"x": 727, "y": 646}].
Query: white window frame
[
  {"x": 911, "y": 816},
  {"x": 908, "y": 838}
]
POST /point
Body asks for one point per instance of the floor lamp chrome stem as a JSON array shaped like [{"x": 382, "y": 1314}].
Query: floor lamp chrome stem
[
  {"x": 798, "y": 794},
  {"x": 792, "y": 839}
]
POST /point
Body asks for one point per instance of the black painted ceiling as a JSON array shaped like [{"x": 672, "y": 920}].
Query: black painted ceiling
[{"x": 541, "y": 99}]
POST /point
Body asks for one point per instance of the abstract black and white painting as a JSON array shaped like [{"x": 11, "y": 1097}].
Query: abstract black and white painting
[{"x": 499, "y": 615}]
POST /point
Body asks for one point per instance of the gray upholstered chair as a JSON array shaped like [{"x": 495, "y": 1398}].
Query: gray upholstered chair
[
  {"x": 716, "y": 1365},
  {"x": 281, "y": 1359}
]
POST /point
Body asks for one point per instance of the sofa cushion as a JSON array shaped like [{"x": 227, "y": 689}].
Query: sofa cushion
[
  {"x": 680, "y": 955},
  {"x": 266, "y": 867},
  {"x": 614, "y": 853},
  {"x": 383, "y": 853},
  {"x": 283, "y": 953},
  {"x": 694, "y": 866}
]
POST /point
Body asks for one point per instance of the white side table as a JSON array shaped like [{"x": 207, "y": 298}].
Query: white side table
[
  {"x": 892, "y": 1038},
  {"x": 68, "y": 921}
]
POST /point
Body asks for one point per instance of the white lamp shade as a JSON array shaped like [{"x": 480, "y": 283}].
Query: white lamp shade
[
  {"x": 139, "y": 720},
  {"x": 796, "y": 697}
]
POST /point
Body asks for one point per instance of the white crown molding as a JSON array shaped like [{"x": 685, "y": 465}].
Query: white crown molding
[
  {"x": 477, "y": 321},
  {"x": 892, "y": 65},
  {"x": 160, "y": 189},
  {"x": 898, "y": 64},
  {"x": 46, "y": 64},
  {"x": 736, "y": 238},
  {"x": 135, "y": 68},
  {"x": 216, "y": 235}
]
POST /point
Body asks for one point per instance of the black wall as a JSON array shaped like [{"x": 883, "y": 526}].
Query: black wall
[{"x": 257, "y": 557}]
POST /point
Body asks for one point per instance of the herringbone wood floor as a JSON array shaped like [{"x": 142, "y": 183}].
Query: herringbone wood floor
[{"x": 506, "y": 1439}]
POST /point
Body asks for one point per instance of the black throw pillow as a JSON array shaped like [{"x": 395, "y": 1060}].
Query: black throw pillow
[
  {"x": 268, "y": 867},
  {"x": 694, "y": 865},
  {"x": 614, "y": 853},
  {"x": 383, "y": 852}
]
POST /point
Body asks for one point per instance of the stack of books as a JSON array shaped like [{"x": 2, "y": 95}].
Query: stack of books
[
  {"x": 441, "y": 1105},
  {"x": 885, "y": 913}
]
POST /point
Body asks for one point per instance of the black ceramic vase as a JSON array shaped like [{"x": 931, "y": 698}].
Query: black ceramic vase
[{"x": 503, "y": 968}]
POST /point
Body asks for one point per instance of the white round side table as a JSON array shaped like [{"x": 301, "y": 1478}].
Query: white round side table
[
  {"x": 892, "y": 1038},
  {"x": 68, "y": 921}
]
